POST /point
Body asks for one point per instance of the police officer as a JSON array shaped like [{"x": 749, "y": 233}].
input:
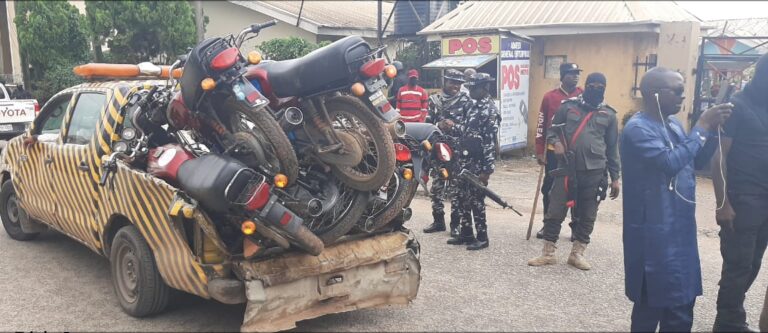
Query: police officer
[
  {"x": 590, "y": 131},
  {"x": 448, "y": 106},
  {"x": 478, "y": 130}
]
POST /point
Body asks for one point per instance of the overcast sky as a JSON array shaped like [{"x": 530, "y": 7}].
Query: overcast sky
[{"x": 716, "y": 10}]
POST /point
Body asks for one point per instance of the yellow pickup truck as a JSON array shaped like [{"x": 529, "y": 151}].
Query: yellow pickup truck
[{"x": 50, "y": 178}]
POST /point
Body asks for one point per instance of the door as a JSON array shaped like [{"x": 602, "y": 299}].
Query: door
[
  {"x": 70, "y": 171},
  {"x": 31, "y": 178}
]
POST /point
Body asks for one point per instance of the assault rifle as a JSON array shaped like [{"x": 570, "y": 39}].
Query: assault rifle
[{"x": 472, "y": 179}]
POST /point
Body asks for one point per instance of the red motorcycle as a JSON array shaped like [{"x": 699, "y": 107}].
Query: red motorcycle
[
  {"x": 331, "y": 104},
  {"x": 218, "y": 107}
]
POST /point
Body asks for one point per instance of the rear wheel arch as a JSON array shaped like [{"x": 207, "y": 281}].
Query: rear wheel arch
[
  {"x": 5, "y": 176},
  {"x": 115, "y": 223}
]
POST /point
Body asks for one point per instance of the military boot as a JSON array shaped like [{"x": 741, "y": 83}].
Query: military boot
[
  {"x": 436, "y": 226},
  {"x": 547, "y": 255},
  {"x": 455, "y": 225},
  {"x": 576, "y": 259},
  {"x": 466, "y": 237},
  {"x": 480, "y": 243}
]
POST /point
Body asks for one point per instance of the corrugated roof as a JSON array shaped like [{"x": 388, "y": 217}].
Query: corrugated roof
[
  {"x": 330, "y": 14},
  {"x": 749, "y": 27},
  {"x": 478, "y": 15}
]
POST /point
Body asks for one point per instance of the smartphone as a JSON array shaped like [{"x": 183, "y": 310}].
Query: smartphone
[{"x": 725, "y": 94}]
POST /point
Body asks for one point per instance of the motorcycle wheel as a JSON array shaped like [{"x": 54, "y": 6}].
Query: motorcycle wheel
[
  {"x": 349, "y": 114},
  {"x": 260, "y": 133},
  {"x": 345, "y": 206},
  {"x": 381, "y": 212}
]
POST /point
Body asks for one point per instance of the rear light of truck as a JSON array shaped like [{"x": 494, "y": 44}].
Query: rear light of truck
[{"x": 37, "y": 108}]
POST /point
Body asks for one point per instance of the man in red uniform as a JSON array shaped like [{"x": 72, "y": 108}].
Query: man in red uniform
[
  {"x": 569, "y": 78},
  {"x": 412, "y": 100}
]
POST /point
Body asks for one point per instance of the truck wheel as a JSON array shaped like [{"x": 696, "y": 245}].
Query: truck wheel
[
  {"x": 11, "y": 213},
  {"x": 138, "y": 285}
]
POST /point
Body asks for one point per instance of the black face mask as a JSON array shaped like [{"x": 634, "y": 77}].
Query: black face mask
[{"x": 593, "y": 96}]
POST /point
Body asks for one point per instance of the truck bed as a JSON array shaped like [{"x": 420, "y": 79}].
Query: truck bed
[{"x": 363, "y": 273}]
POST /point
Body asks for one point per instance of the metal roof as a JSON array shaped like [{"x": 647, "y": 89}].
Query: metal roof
[
  {"x": 749, "y": 27},
  {"x": 359, "y": 15},
  {"x": 519, "y": 15}
]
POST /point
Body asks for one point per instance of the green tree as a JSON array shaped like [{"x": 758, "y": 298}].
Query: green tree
[
  {"x": 288, "y": 48},
  {"x": 417, "y": 54},
  {"x": 52, "y": 39},
  {"x": 137, "y": 31}
]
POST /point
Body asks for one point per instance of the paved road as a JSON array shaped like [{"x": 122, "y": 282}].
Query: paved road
[{"x": 54, "y": 283}]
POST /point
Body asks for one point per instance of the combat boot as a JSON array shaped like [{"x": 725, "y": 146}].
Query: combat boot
[
  {"x": 454, "y": 225},
  {"x": 480, "y": 243},
  {"x": 436, "y": 226},
  {"x": 466, "y": 237},
  {"x": 547, "y": 255},
  {"x": 576, "y": 259}
]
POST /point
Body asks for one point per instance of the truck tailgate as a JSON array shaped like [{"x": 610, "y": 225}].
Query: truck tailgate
[
  {"x": 17, "y": 111},
  {"x": 370, "y": 272}
]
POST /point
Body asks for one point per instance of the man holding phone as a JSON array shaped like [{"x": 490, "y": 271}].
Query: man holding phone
[{"x": 741, "y": 188}]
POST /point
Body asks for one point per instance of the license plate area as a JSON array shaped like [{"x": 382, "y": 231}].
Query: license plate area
[
  {"x": 378, "y": 98},
  {"x": 6, "y": 127}
]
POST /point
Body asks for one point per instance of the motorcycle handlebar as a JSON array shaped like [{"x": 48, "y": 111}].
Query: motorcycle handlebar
[{"x": 257, "y": 27}]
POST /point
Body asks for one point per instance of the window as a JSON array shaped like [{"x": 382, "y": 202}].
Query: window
[
  {"x": 50, "y": 123},
  {"x": 85, "y": 118},
  {"x": 552, "y": 66}
]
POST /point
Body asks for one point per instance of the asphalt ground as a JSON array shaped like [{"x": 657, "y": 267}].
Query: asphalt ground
[{"x": 56, "y": 284}]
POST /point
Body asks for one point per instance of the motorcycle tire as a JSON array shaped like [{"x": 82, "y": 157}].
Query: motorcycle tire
[
  {"x": 267, "y": 133},
  {"x": 397, "y": 198},
  {"x": 381, "y": 151},
  {"x": 331, "y": 225}
]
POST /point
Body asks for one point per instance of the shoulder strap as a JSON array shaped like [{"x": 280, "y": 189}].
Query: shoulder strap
[{"x": 580, "y": 128}]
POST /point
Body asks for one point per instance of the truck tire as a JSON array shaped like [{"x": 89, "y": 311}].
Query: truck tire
[
  {"x": 11, "y": 213},
  {"x": 139, "y": 287}
]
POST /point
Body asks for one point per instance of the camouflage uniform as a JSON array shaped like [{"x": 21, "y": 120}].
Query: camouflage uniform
[
  {"x": 442, "y": 107},
  {"x": 479, "y": 130}
]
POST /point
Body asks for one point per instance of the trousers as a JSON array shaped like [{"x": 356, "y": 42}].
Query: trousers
[
  {"x": 670, "y": 319},
  {"x": 585, "y": 211},
  {"x": 742, "y": 250}
]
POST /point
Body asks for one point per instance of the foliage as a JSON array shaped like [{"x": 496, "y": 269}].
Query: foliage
[
  {"x": 56, "y": 78},
  {"x": 288, "y": 48},
  {"x": 138, "y": 31},
  {"x": 52, "y": 39},
  {"x": 50, "y": 34},
  {"x": 417, "y": 54}
]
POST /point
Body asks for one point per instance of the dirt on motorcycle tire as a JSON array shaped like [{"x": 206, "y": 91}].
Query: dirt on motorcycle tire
[
  {"x": 382, "y": 140},
  {"x": 266, "y": 123}
]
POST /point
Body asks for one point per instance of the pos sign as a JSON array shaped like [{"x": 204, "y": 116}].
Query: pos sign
[{"x": 470, "y": 45}]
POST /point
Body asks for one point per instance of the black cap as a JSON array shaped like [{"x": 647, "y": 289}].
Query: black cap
[
  {"x": 479, "y": 78},
  {"x": 453, "y": 75},
  {"x": 568, "y": 67}
]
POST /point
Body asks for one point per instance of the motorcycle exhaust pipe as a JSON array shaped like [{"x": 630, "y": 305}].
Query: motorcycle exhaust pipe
[
  {"x": 406, "y": 214},
  {"x": 315, "y": 207},
  {"x": 292, "y": 118},
  {"x": 396, "y": 129}
]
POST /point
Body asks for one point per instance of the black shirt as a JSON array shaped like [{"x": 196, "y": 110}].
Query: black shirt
[{"x": 748, "y": 157}]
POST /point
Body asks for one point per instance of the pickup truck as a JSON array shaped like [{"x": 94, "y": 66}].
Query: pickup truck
[
  {"x": 156, "y": 240},
  {"x": 15, "y": 114}
]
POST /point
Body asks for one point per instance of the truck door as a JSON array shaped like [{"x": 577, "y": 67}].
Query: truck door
[
  {"x": 71, "y": 172},
  {"x": 31, "y": 177}
]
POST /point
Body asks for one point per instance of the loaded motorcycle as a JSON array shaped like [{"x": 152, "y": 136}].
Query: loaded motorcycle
[
  {"x": 239, "y": 203},
  {"x": 331, "y": 105}
]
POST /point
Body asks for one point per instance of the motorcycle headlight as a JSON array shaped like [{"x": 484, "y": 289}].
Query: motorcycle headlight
[
  {"x": 121, "y": 147},
  {"x": 128, "y": 134}
]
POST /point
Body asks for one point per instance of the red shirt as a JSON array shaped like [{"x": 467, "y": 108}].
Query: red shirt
[
  {"x": 549, "y": 105},
  {"x": 412, "y": 103}
]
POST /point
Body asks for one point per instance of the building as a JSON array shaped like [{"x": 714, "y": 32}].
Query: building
[
  {"x": 621, "y": 39},
  {"x": 314, "y": 21},
  {"x": 10, "y": 60}
]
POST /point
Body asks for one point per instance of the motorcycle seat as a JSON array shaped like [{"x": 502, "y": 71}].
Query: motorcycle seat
[
  {"x": 206, "y": 179},
  {"x": 421, "y": 131},
  {"x": 326, "y": 68}
]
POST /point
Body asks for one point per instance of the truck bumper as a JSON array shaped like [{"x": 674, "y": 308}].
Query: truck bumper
[{"x": 370, "y": 272}]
